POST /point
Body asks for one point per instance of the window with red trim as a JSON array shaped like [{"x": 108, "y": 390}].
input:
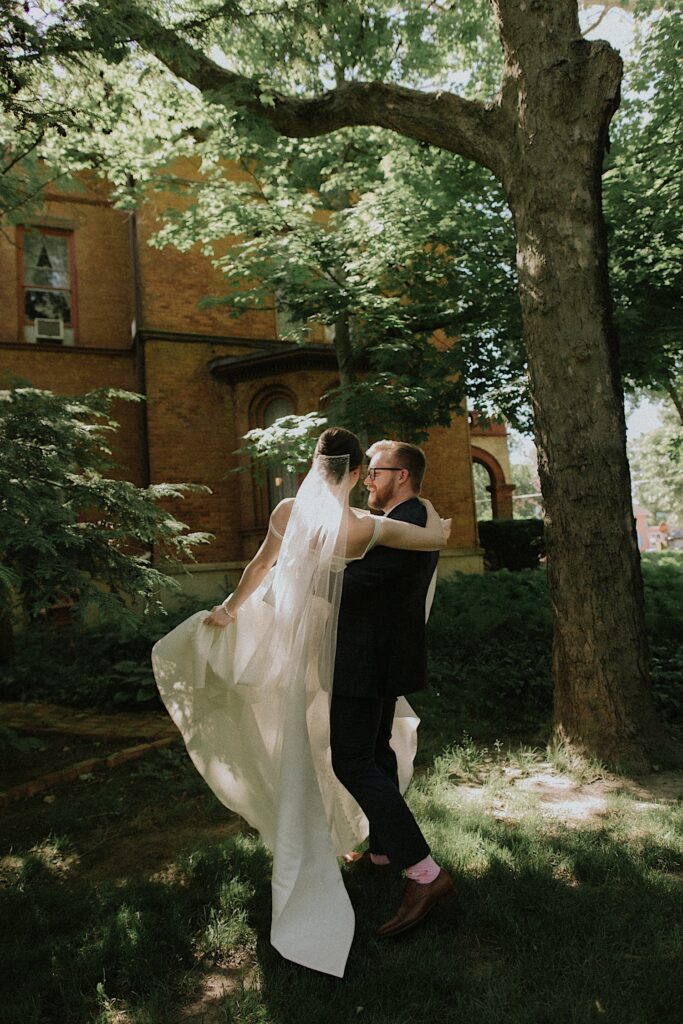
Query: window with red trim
[{"x": 47, "y": 276}]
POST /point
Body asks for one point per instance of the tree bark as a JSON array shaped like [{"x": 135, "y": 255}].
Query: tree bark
[
  {"x": 7, "y": 643},
  {"x": 560, "y": 93},
  {"x": 675, "y": 396}
]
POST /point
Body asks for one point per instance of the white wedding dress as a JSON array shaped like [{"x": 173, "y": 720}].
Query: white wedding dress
[{"x": 251, "y": 701}]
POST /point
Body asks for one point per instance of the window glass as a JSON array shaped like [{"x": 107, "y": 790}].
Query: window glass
[
  {"x": 53, "y": 305},
  {"x": 282, "y": 482},
  {"x": 46, "y": 260},
  {"x": 47, "y": 283}
]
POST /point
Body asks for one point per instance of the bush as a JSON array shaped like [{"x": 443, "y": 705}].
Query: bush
[
  {"x": 106, "y": 665},
  {"x": 490, "y": 641},
  {"x": 663, "y": 581},
  {"x": 70, "y": 532},
  {"x": 511, "y": 543}
]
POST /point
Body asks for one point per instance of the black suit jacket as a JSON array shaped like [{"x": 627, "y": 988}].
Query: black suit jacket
[{"x": 381, "y": 646}]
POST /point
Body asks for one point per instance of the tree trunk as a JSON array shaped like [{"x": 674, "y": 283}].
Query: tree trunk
[
  {"x": 561, "y": 97},
  {"x": 7, "y": 645},
  {"x": 344, "y": 350},
  {"x": 676, "y": 398}
]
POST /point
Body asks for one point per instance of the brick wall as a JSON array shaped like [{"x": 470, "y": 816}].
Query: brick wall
[
  {"x": 448, "y": 480},
  {"x": 195, "y": 422},
  {"x": 70, "y": 372},
  {"x": 174, "y": 282},
  {"x": 191, "y": 439}
]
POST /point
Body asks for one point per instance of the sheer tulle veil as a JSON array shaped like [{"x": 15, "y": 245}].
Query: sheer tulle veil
[
  {"x": 252, "y": 703},
  {"x": 304, "y": 591}
]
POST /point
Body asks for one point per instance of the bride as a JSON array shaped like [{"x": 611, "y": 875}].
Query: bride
[{"x": 249, "y": 685}]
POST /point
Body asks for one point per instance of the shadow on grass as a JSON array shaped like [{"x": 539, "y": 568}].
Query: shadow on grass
[
  {"x": 70, "y": 950},
  {"x": 575, "y": 926}
]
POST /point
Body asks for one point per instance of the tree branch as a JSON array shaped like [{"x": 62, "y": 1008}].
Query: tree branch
[
  {"x": 675, "y": 398},
  {"x": 442, "y": 119},
  {"x": 598, "y": 21},
  {"x": 23, "y": 154}
]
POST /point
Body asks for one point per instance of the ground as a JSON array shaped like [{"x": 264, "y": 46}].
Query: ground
[{"x": 133, "y": 833}]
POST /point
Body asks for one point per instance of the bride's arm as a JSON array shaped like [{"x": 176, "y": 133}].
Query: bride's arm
[
  {"x": 431, "y": 537},
  {"x": 264, "y": 559}
]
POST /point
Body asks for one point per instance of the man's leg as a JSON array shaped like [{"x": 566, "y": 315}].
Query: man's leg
[
  {"x": 355, "y": 727},
  {"x": 385, "y": 758}
]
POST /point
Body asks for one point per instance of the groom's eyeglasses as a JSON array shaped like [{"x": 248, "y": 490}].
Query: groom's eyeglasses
[{"x": 372, "y": 473}]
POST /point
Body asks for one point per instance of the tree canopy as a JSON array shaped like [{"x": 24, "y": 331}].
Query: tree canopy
[
  {"x": 657, "y": 466},
  {"x": 383, "y": 239},
  {"x": 644, "y": 204}
]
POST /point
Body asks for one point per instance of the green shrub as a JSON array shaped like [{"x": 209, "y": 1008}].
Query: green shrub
[
  {"x": 107, "y": 665},
  {"x": 511, "y": 543},
  {"x": 490, "y": 641},
  {"x": 663, "y": 582},
  {"x": 67, "y": 526}
]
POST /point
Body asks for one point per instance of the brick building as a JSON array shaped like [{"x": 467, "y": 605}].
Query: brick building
[{"x": 87, "y": 303}]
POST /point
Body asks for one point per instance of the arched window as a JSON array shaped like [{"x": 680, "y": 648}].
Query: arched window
[
  {"x": 483, "y": 488},
  {"x": 486, "y": 465},
  {"x": 282, "y": 483}
]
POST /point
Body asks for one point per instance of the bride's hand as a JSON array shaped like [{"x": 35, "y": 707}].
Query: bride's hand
[
  {"x": 446, "y": 525},
  {"x": 219, "y": 616}
]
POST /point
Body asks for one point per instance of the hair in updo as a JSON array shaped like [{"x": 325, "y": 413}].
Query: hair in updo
[{"x": 335, "y": 443}]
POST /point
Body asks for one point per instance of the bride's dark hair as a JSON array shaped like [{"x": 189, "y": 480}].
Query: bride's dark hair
[{"x": 336, "y": 441}]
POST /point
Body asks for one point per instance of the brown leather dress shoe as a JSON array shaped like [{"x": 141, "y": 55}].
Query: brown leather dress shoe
[{"x": 418, "y": 900}]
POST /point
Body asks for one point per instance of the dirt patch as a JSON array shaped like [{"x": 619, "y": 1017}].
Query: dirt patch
[
  {"x": 559, "y": 796},
  {"x": 49, "y": 753},
  {"x": 116, "y": 856},
  {"x": 37, "y": 718},
  {"x": 208, "y": 1005}
]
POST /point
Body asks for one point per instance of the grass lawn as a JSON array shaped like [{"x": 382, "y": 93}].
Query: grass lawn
[{"x": 130, "y": 897}]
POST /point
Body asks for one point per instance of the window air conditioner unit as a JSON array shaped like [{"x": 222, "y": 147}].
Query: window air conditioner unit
[{"x": 49, "y": 330}]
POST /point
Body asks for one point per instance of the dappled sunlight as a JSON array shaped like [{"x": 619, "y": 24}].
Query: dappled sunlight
[
  {"x": 53, "y": 857},
  {"x": 182, "y": 933}
]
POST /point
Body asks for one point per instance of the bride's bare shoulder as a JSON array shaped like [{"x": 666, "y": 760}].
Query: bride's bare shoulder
[{"x": 279, "y": 517}]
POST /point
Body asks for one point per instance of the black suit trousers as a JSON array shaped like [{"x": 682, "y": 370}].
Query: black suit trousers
[{"x": 365, "y": 764}]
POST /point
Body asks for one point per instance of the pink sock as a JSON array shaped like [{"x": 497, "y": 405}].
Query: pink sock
[
  {"x": 379, "y": 858},
  {"x": 424, "y": 872}
]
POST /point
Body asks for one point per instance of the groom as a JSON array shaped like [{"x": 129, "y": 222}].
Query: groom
[{"x": 381, "y": 655}]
